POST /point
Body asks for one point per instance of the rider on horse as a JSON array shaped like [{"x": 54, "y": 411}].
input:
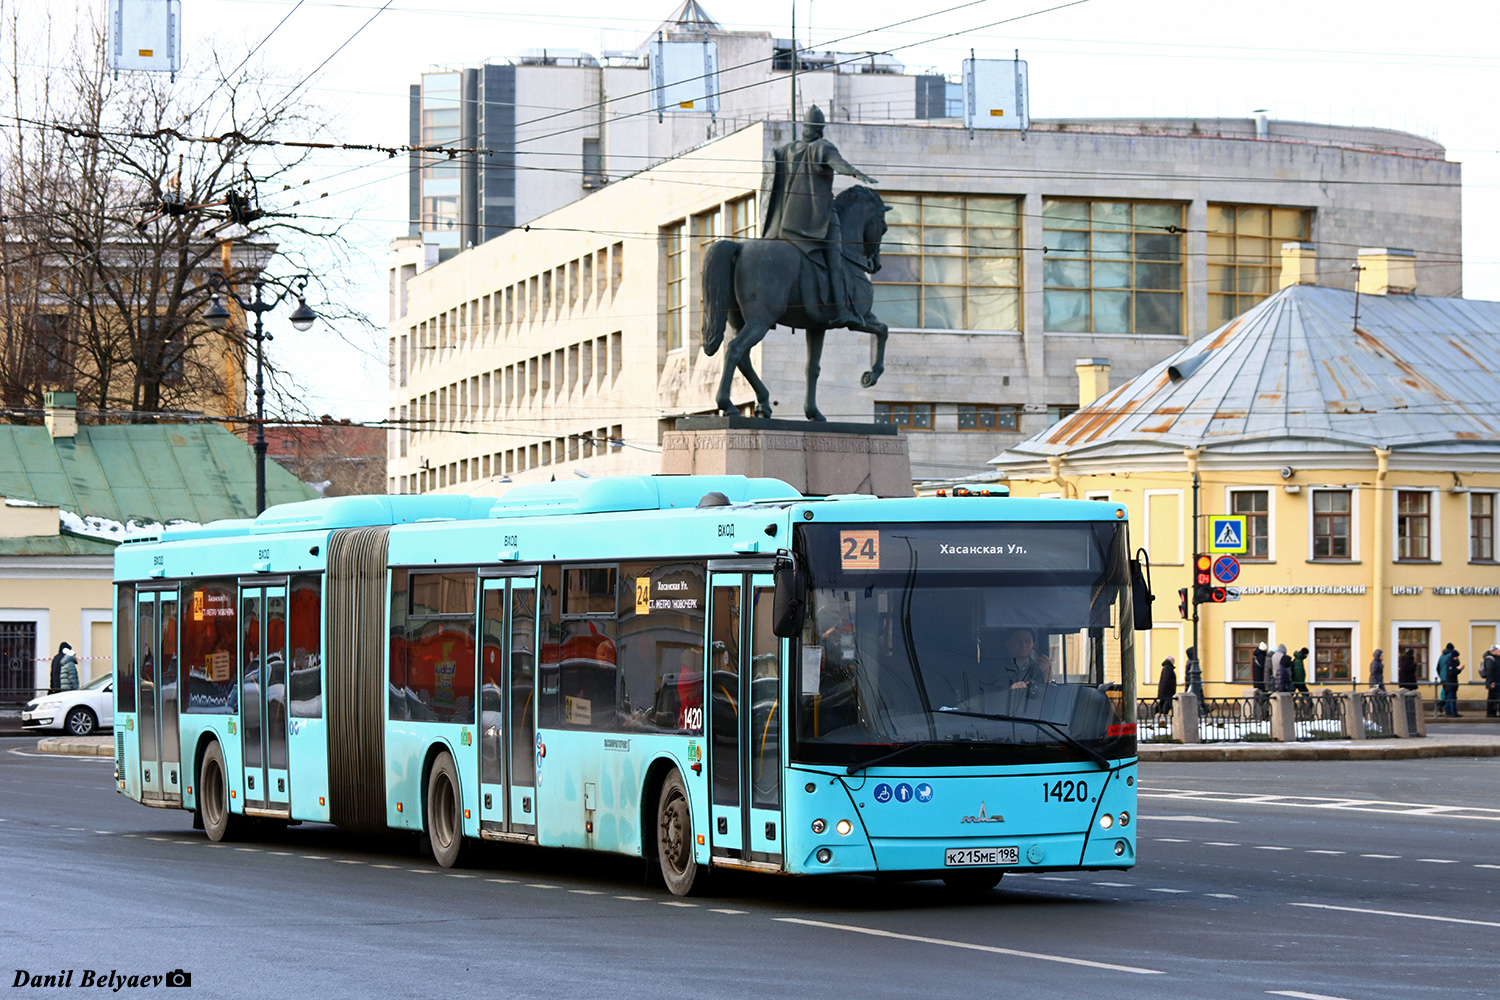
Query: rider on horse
[{"x": 800, "y": 211}]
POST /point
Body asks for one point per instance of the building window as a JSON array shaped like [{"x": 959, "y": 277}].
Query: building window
[
  {"x": 1331, "y": 524},
  {"x": 912, "y": 416},
  {"x": 1112, "y": 267},
  {"x": 1419, "y": 641},
  {"x": 1060, "y": 411},
  {"x": 1244, "y": 642},
  {"x": 950, "y": 263},
  {"x": 988, "y": 417},
  {"x": 1481, "y": 527},
  {"x": 593, "y": 163},
  {"x": 1413, "y": 525},
  {"x": 1244, "y": 254},
  {"x": 1333, "y": 653},
  {"x": 675, "y": 239},
  {"x": 742, "y": 221},
  {"x": 1254, "y": 506}
]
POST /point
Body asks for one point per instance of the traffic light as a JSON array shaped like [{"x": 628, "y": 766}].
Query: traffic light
[
  {"x": 1204, "y": 591},
  {"x": 1182, "y": 602}
]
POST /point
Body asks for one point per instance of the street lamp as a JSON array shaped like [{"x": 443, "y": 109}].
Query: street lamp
[{"x": 216, "y": 316}]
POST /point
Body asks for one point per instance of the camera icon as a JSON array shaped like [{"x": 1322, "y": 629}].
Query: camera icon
[{"x": 179, "y": 978}]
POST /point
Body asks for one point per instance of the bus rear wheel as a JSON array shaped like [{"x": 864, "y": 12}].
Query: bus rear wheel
[
  {"x": 213, "y": 796},
  {"x": 674, "y": 839},
  {"x": 445, "y": 827}
]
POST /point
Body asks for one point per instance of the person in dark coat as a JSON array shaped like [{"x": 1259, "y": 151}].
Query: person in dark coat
[
  {"x": 1166, "y": 686},
  {"x": 1440, "y": 675},
  {"x": 1490, "y": 671},
  {"x": 1406, "y": 670},
  {"x": 1281, "y": 674},
  {"x": 1258, "y": 668},
  {"x": 1450, "y": 672},
  {"x": 67, "y": 674},
  {"x": 1299, "y": 671},
  {"x": 1377, "y": 671},
  {"x": 54, "y": 680}
]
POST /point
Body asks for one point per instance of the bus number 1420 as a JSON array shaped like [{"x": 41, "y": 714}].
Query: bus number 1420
[{"x": 1065, "y": 791}]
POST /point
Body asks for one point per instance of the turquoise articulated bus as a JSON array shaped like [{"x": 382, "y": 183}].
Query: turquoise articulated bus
[{"x": 704, "y": 672}]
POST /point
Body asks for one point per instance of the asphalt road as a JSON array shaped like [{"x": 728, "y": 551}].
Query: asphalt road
[{"x": 1354, "y": 880}]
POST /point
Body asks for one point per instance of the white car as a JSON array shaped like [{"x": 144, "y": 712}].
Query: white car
[{"x": 78, "y": 713}]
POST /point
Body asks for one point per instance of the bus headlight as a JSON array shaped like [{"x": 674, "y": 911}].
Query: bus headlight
[
  {"x": 1106, "y": 821},
  {"x": 843, "y": 827},
  {"x": 818, "y": 826}
]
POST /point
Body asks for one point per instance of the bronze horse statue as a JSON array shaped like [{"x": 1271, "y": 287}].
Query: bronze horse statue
[{"x": 758, "y": 284}]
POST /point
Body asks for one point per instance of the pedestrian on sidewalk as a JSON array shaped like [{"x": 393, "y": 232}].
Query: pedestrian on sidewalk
[
  {"x": 1258, "y": 668},
  {"x": 1377, "y": 672},
  {"x": 1166, "y": 686},
  {"x": 1490, "y": 671},
  {"x": 1450, "y": 675},
  {"x": 55, "y": 679},
  {"x": 1406, "y": 670},
  {"x": 1299, "y": 671},
  {"x": 1282, "y": 677},
  {"x": 1440, "y": 678},
  {"x": 68, "y": 675}
]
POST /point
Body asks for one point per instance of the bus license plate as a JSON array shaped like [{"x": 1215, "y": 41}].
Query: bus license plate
[{"x": 964, "y": 857}]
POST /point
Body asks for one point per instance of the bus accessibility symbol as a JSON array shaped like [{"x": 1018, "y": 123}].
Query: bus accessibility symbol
[{"x": 882, "y": 792}]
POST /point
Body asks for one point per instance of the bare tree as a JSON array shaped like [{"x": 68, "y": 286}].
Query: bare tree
[{"x": 114, "y": 212}]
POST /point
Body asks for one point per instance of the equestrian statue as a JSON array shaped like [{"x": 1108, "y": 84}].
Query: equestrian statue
[{"x": 797, "y": 274}]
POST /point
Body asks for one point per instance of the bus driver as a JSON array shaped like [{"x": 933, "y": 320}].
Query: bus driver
[{"x": 1023, "y": 666}]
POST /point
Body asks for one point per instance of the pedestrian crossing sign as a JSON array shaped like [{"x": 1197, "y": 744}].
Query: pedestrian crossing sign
[{"x": 1227, "y": 534}]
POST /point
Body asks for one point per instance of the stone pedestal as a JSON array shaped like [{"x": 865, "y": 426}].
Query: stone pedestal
[{"x": 818, "y": 459}]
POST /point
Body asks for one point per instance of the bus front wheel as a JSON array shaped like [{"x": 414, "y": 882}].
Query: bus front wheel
[
  {"x": 674, "y": 839},
  {"x": 445, "y": 829},
  {"x": 213, "y": 796}
]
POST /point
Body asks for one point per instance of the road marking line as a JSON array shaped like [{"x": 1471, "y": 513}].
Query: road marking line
[
  {"x": 314, "y": 857},
  {"x": 1325, "y": 852},
  {"x": 1394, "y": 913},
  {"x": 587, "y": 892},
  {"x": 1167, "y": 890},
  {"x": 168, "y": 839},
  {"x": 347, "y": 861},
  {"x": 251, "y": 849},
  {"x": 1221, "y": 895},
  {"x": 1172, "y": 840},
  {"x": 1116, "y": 885},
  {"x": 104, "y": 832},
  {"x": 1188, "y": 819},
  {"x": 539, "y": 885},
  {"x": 1487, "y": 866},
  {"x": 673, "y": 902},
  {"x": 1325, "y": 802},
  {"x": 421, "y": 871},
  {"x": 733, "y": 913},
  {"x": 1438, "y": 861},
  {"x": 503, "y": 881},
  {"x": 1218, "y": 843},
  {"x": 991, "y": 949},
  {"x": 1303, "y": 996},
  {"x": 460, "y": 875},
  {"x": 1056, "y": 878},
  {"x": 131, "y": 835},
  {"x": 398, "y": 866},
  {"x": 635, "y": 898},
  {"x": 77, "y": 829},
  {"x": 1267, "y": 847},
  {"x": 1388, "y": 857},
  {"x": 285, "y": 854}
]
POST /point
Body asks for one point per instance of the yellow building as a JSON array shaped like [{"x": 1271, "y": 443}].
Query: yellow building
[{"x": 1355, "y": 432}]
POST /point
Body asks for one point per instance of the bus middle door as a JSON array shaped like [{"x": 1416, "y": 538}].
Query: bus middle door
[
  {"x": 507, "y": 726},
  {"x": 156, "y": 698},
  {"x": 745, "y": 719},
  {"x": 263, "y": 698}
]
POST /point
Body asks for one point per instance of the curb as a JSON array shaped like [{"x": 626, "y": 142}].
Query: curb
[
  {"x": 1314, "y": 752},
  {"x": 77, "y": 746}
]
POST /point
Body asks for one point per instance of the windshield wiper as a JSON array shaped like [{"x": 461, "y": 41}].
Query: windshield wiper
[
  {"x": 1067, "y": 738},
  {"x": 856, "y": 768}
]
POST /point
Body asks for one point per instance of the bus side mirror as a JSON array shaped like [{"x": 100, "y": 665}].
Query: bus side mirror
[
  {"x": 1140, "y": 590},
  {"x": 790, "y": 604}
]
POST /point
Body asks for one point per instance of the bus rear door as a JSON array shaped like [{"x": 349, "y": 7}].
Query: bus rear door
[
  {"x": 156, "y": 698},
  {"x": 745, "y": 719},
  {"x": 263, "y": 694},
  {"x": 507, "y": 727}
]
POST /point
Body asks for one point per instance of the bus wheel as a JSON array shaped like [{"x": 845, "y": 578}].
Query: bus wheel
[
  {"x": 445, "y": 829},
  {"x": 972, "y": 883},
  {"x": 674, "y": 839},
  {"x": 213, "y": 796}
]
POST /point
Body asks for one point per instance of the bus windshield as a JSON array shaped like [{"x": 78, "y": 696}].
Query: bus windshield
[{"x": 942, "y": 639}]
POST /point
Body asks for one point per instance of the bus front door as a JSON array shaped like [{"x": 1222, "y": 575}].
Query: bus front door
[
  {"x": 156, "y": 696},
  {"x": 745, "y": 719},
  {"x": 263, "y": 698},
  {"x": 507, "y": 727}
]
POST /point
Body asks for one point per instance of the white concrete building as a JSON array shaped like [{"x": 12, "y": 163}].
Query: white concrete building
[{"x": 571, "y": 348}]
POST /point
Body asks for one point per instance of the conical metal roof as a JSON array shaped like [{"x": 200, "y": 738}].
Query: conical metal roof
[{"x": 1298, "y": 373}]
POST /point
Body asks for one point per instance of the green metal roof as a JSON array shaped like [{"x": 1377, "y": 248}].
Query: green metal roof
[
  {"x": 148, "y": 472},
  {"x": 64, "y": 544}
]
